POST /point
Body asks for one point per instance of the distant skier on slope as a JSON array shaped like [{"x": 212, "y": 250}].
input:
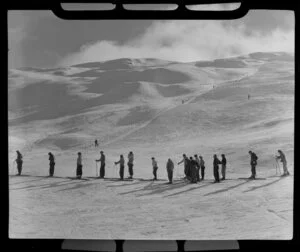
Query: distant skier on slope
[
  {"x": 198, "y": 167},
  {"x": 79, "y": 166},
  {"x": 51, "y": 164},
  {"x": 223, "y": 171},
  {"x": 170, "y": 169},
  {"x": 130, "y": 164},
  {"x": 282, "y": 159},
  {"x": 96, "y": 143},
  {"x": 184, "y": 160},
  {"x": 202, "y": 167},
  {"x": 19, "y": 162},
  {"x": 248, "y": 97},
  {"x": 121, "y": 162},
  {"x": 216, "y": 163},
  {"x": 253, "y": 163},
  {"x": 102, "y": 164},
  {"x": 155, "y": 168}
]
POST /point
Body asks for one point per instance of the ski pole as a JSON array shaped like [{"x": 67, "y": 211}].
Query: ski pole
[{"x": 96, "y": 169}]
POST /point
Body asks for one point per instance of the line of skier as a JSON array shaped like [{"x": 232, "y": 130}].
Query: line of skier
[{"x": 193, "y": 166}]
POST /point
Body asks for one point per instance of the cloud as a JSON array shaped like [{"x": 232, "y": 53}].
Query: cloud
[{"x": 187, "y": 41}]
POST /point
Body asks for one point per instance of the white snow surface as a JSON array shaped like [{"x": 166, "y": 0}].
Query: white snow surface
[{"x": 153, "y": 108}]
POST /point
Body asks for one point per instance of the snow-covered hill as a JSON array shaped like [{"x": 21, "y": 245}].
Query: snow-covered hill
[{"x": 155, "y": 108}]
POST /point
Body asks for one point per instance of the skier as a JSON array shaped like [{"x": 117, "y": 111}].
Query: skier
[
  {"x": 193, "y": 170},
  {"x": 96, "y": 143},
  {"x": 121, "y": 162},
  {"x": 202, "y": 167},
  {"x": 253, "y": 163},
  {"x": 102, "y": 167},
  {"x": 130, "y": 164},
  {"x": 223, "y": 161},
  {"x": 51, "y": 164},
  {"x": 155, "y": 167},
  {"x": 19, "y": 162},
  {"x": 248, "y": 96},
  {"x": 170, "y": 168},
  {"x": 216, "y": 168},
  {"x": 79, "y": 166},
  {"x": 198, "y": 167},
  {"x": 284, "y": 162},
  {"x": 185, "y": 161}
]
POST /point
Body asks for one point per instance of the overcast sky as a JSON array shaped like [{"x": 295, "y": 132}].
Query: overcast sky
[{"x": 39, "y": 38}]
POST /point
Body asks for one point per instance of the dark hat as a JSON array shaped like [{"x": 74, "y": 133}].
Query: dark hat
[
  {"x": 195, "y": 155},
  {"x": 79, "y": 153},
  {"x": 101, "y": 151},
  {"x": 250, "y": 151},
  {"x": 152, "y": 158},
  {"x": 49, "y": 153}
]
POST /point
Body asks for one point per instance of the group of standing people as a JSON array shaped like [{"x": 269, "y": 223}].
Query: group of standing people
[{"x": 194, "y": 167}]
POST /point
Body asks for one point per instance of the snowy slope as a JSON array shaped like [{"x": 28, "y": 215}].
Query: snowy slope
[{"x": 153, "y": 108}]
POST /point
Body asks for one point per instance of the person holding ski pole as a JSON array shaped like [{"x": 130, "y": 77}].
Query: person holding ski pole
[
  {"x": 19, "y": 162},
  {"x": 202, "y": 167},
  {"x": 130, "y": 164},
  {"x": 102, "y": 164},
  {"x": 170, "y": 169},
  {"x": 155, "y": 168},
  {"x": 51, "y": 164},
  {"x": 282, "y": 159},
  {"x": 198, "y": 167},
  {"x": 121, "y": 162},
  {"x": 79, "y": 166},
  {"x": 216, "y": 163},
  {"x": 185, "y": 161},
  {"x": 253, "y": 163}
]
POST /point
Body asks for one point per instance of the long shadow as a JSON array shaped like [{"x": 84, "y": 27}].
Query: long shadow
[
  {"x": 126, "y": 184},
  {"x": 257, "y": 187},
  {"x": 39, "y": 179},
  {"x": 76, "y": 186},
  {"x": 158, "y": 188},
  {"x": 190, "y": 189},
  {"x": 45, "y": 186},
  {"x": 137, "y": 190},
  {"x": 226, "y": 189}
]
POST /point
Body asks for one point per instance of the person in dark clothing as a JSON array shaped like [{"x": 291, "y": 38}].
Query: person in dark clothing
[
  {"x": 79, "y": 166},
  {"x": 223, "y": 171},
  {"x": 193, "y": 170},
  {"x": 284, "y": 162},
  {"x": 202, "y": 167},
  {"x": 121, "y": 162},
  {"x": 96, "y": 143},
  {"x": 51, "y": 164},
  {"x": 216, "y": 168},
  {"x": 19, "y": 162},
  {"x": 130, "y": 164},
  {"x": 253, "y": 163},
  {"x": 102, "y": 164},
  {"x": 155, "y": 167},
  {"x": 188, "y": 169},
  {"x": 198, "y": 167},
  {"x": 170, "y": 169},
  {"x": 184, "y": 160}
]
